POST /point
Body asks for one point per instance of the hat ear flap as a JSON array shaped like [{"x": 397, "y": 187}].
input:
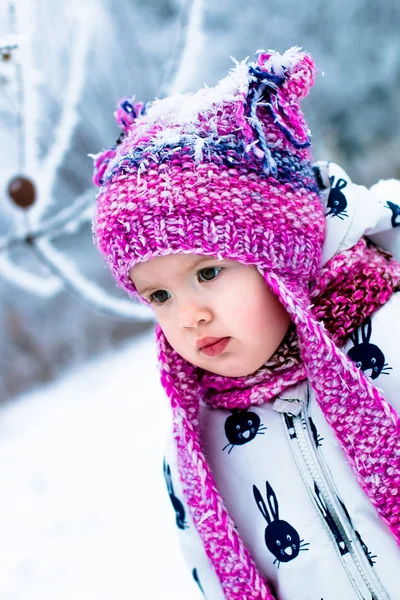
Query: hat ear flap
[
  {"x": 301, "y": 79},
  {"x": 296, "y": 69},
  {"x": 278, "y": 82},
  {"x": 128, "y": 111},
  {"x": 126, "y": 114}
]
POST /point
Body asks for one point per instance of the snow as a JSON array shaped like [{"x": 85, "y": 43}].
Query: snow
[
  {"x": 181, "y": 109},
  {"x": 84, "y": 510},
  {"x": 278, "y": 62}
]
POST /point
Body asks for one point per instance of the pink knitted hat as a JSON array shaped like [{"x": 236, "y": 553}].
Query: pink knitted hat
[{"x": 227, "y": 172}]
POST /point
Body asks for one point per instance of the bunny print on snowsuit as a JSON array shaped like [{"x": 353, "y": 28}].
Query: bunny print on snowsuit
[
  {"x": 280, "y": 537},
  {"x": 367, "y": 355},
  {"x": 280, "y": 461}
]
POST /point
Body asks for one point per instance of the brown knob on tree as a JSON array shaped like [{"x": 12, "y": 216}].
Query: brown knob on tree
[{"x": 22, "y": 191}]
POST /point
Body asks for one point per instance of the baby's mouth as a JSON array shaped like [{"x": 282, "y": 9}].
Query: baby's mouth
[{"x": 216, "y": 347}]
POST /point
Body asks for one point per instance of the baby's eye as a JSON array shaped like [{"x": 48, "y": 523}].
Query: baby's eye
[
  {"x": 155, "y": 296},
  {"x": 209, "y": 273}
]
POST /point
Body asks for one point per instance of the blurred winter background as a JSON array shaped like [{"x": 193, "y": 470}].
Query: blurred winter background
[{"x": 83, "y": 509}]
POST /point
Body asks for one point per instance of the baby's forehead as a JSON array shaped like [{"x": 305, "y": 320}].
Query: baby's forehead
[
  {"x": 178, "y": 263},
  {"x": 170, "y": 264}
]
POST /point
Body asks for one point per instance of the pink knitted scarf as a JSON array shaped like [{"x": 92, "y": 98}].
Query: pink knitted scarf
[{"x": 342, "y": 297}]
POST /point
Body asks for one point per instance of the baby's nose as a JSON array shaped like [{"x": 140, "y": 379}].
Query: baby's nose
[{"x": 191, "y": 314}]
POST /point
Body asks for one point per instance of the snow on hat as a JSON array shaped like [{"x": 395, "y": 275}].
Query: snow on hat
[{"x": 227, "y": 172}]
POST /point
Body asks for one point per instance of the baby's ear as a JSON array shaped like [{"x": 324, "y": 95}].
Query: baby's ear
[{"x": 297, "y": 68}]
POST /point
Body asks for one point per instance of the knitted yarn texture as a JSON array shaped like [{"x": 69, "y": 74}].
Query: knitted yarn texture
[{"x": 227, "y": 172}]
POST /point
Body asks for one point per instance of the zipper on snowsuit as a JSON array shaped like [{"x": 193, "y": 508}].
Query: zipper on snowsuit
[{"x": 318, "y": 480}]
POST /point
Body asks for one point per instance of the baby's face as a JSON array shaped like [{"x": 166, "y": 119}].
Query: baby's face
[{"x": 194, "y": 297}]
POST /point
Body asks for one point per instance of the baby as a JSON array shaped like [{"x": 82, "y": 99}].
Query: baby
[{"x": 274, "y": 289}]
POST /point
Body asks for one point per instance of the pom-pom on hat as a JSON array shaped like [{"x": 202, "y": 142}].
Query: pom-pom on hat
[{"x": 227, "y": 172}]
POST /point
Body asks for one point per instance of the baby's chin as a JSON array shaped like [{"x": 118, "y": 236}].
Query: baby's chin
[
  {"x": 227, "y": 364},
  {"x": 230, "y": 369},
  {"x": 232, "y": 372}
]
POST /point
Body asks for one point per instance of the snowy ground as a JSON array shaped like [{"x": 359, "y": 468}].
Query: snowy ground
[{"x": 84, "y": 512}]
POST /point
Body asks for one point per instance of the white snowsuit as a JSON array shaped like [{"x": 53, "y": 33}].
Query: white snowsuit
[{"x": 313, "y": 533}]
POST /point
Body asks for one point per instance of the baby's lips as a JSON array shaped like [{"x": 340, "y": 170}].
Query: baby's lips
[{"x": 207, "y": 341}]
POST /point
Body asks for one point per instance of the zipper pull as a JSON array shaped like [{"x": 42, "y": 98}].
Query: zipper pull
[
  {"x": 292, "y": 400},
  {"x": 289, "y": 406}
]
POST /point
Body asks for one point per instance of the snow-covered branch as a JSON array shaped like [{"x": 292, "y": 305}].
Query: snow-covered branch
[
  {"x": 69, "y": 116},
  {"x": 86, "y": 290},
  {"x": 31, "y": 228},
  {"x": 28, "y": 81},
  {"x": 66, "y": 221},
  {"x": 45, "y": 287},
  {"x": 189, "y": 51}
]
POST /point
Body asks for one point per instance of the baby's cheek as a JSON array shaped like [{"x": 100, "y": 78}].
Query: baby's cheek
[
  {"x": 241, "y": 312},
  {"x": 251, "y": 316},
  {"x": 265, "y": 323},
  {"x": 176, "y": 341},
  {"x": 167, "y": 331}
]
